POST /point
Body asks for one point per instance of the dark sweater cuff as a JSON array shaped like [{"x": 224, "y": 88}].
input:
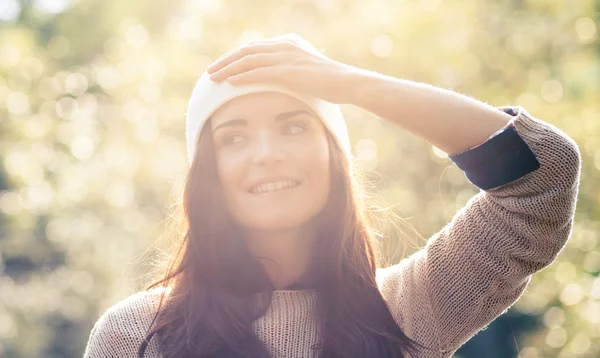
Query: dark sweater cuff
[{"x": 498, "y": 161}]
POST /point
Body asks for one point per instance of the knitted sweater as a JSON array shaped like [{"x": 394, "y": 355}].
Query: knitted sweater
[{"x": 467, "y": 274}]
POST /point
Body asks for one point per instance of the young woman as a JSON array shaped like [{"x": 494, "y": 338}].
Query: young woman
[{"x": 277, "y": 259}]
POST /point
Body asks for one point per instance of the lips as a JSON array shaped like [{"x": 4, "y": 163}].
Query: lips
[{"x": 273, "y": 185}]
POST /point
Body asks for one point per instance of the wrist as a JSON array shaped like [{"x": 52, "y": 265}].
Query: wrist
[{"x": 360, "y": 83}]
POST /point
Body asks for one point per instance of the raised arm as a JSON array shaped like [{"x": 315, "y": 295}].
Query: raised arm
[
  {"x": 450, "y": 121},
  {"x": 479, "y": 264}
]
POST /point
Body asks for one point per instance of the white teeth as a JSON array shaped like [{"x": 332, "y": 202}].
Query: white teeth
[{"x": 273, "y": 186}]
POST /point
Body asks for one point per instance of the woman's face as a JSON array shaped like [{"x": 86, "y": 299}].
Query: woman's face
[{"x": 273, "y": 160}]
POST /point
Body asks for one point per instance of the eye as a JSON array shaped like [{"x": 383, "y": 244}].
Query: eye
[
  {"x": 294, "y": 128},
  {"x": 230, "y": 138}
]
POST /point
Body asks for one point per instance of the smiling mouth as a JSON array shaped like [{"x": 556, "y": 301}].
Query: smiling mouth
[{"x": 275, "y": 186}]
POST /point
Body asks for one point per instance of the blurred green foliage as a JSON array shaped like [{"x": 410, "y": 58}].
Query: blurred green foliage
[{"x": 92, "y": 101}]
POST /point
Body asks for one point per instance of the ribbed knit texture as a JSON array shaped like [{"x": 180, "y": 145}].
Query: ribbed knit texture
[{"x": 470, "y": 272}]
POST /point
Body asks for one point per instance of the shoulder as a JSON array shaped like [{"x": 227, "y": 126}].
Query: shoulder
[
  {"x": 139, "y": 304},
  {"x": 123, "y": 327}
]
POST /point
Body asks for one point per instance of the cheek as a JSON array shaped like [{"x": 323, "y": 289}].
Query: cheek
[
  {"x": 317, "y": 164},
  {"x": 230, "y": 171}
]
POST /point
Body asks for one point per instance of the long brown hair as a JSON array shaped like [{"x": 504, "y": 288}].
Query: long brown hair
[{"x": 215, "y": 290}]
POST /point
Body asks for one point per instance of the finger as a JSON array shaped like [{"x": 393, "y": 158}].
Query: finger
[
  {"x": 281, "y": 38},
  {"x": 248, "y": 49},
  {"x": 291, "y": 38},
  {"x": 300, "y": 42},
  {"x": 250, "y": 62},
  {"x": 261, "y": 74},
  {"x": 272, "y": 40}
]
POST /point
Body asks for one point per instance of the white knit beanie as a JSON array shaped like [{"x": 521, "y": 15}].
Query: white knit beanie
[{"x": 208, "y": 96}]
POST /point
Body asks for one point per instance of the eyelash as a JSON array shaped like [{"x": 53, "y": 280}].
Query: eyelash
[
  {"x": 300, "y": 124},
  {"x": 225, "y": 139}
]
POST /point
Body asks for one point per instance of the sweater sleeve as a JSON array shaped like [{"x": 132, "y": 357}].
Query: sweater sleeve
[
  {"x": 479, "y": 264},
  {"x": 120, "y": 331},
  {"x": 502, "y": 158}
]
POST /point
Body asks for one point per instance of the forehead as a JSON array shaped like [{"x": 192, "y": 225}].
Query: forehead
[{"x": 267, "y": 104}]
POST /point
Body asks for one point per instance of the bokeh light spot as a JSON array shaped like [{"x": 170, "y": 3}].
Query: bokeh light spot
[
  {"x": 581, "y": 343},
  {"x": 52, "y": 6},
  {"x": 382, "y": 46},
  {"x": 554, "y": 317},
  {"x": 566, "y": 272},
  {"x": 76, "y": 84},
  {"x": 137, "y": 36},
  {"x": 66, "y": 108},
  {"x": 571, "y": 294},
  {"x": 586, "y": 29},
  {"x": 557, "y": 337},
  {"x": 9, "y": 10},
  {"x": 552, "y": 91},
  {"x": 17, "y": 103},
  {"x": 366, "y": 151}
]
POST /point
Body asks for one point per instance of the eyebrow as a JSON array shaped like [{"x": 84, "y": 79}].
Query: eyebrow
[{"x": 242, "y": 122}]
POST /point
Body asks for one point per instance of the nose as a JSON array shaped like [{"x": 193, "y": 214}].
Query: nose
[{"x": 267, "y": 150}]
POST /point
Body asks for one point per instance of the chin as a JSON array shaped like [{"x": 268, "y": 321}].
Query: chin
[
  {"x": 276, "y": 222},
  {"x": 275, "y": 217}
]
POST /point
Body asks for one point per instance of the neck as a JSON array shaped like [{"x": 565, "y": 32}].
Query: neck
[{"x": 285, "y": 255}]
